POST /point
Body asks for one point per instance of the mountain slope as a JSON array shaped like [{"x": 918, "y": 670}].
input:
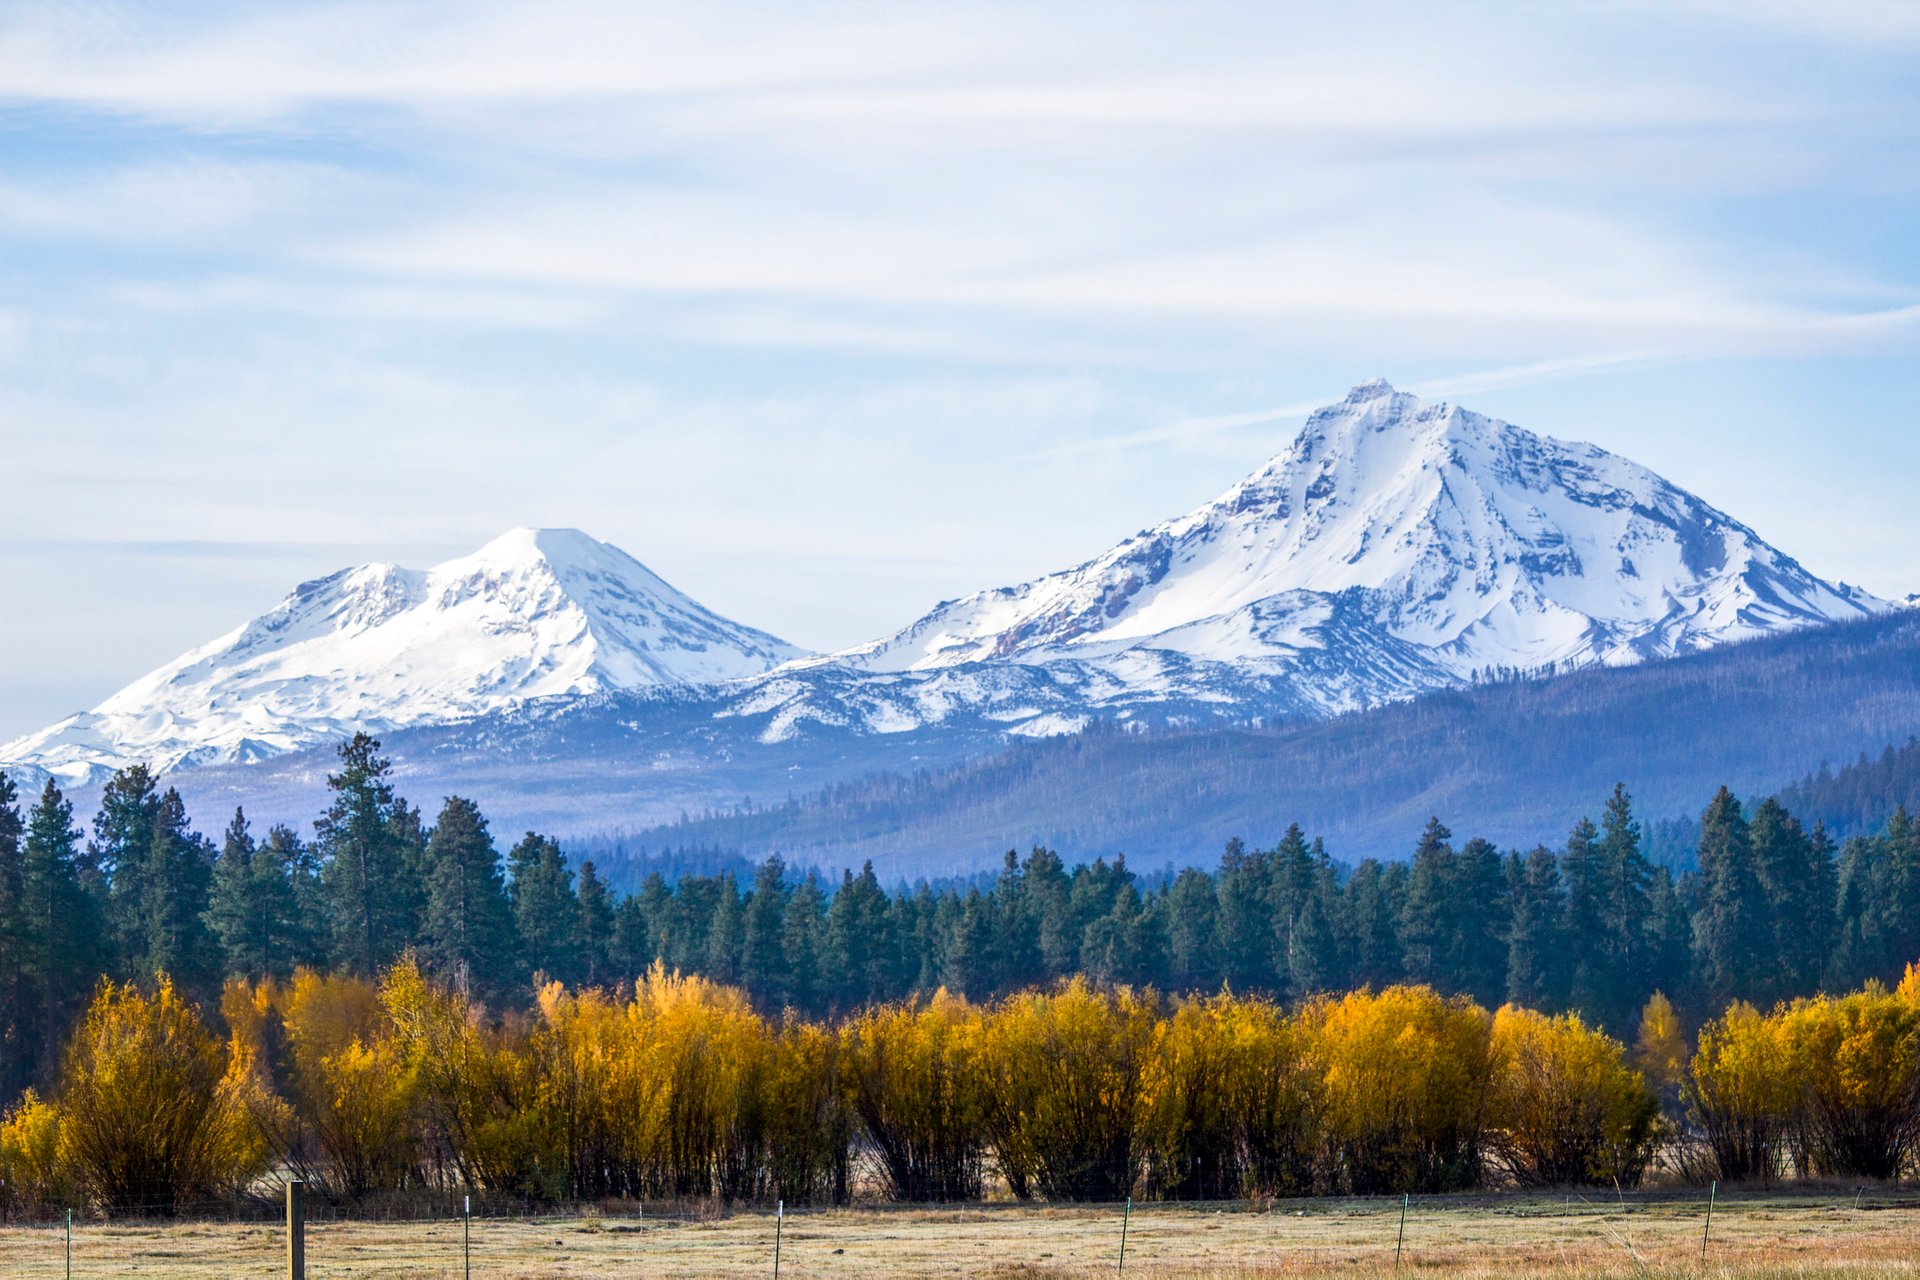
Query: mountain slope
[
  {"x": 1444, "y": 544},
  {"x": 1516, "y": 761},
  {"x": 533, "y": 614}
]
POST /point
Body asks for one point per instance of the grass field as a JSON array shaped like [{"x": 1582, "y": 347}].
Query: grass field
[{"x": 1494, "y": 1236}]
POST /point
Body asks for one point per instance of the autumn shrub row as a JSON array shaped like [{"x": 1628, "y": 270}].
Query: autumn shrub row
[
  {"x": 678, "y": 1088},
  {"x": 1827, "y": 1086}
]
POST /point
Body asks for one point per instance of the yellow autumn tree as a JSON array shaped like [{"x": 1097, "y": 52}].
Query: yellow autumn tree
[
  {"x": 1857, "y": 1062},
  {"x": 350, "y": 1126},
  {"x": 1062, "y": 1086},
  {"x": 804, "y": 1122},
  {"x": 1229, "y": 1099},
  {"x": 1661, "y": 1050},
  {"x": 1741, "y": 1090},
  {"x": 707, "y": 1042},
  {"x": 1405, "y": 1088},
  {"x": 152, "y": 1117},
  {"x": 914, "y": 1079},
  {"x": 1565, "y": 1107},
  {"x": 478, "y": 1085},
  {"x": 33, "y": 1178}
]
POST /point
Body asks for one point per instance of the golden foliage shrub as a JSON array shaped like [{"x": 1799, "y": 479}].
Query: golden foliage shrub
[
  {"x": 1405, "y": 1088},
  {"x": 1063, "y": 1071},
  {"x": 913, "y": 1076},
  {"x": 1229, "y": 1102},
  {"x": 478, "y": 1086},
  {"x": 1661, "y": 1050},
  {"x": 1741, "y": 1091},
  {"x": 33, "y": 1178},
  {"x": 153, "y": 1115},
  {"x": 1857, "y": 1063},
  {"x": 1566, "y": 1109}
]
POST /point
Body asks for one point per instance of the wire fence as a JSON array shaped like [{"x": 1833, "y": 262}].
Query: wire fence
[{"x": 1668, "y": 1230}]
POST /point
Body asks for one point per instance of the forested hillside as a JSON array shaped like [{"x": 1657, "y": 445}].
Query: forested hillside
[
  {"x": 1774, "y": 910},
  {"x": 1523, "y": 758}
]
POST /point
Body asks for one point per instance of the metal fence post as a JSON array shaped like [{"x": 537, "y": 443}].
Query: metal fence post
[
  {"x": 1713, "y": 1193},
  {"x": 296, "y": 1230},
  {"x": 466, "y": 1233},
  {"x": 1401, "y": 1240},
  {"x": 779, "y": 1221},
  {"x": 1125, "y": 1219},
  {"x": 69, "y": 1244}
]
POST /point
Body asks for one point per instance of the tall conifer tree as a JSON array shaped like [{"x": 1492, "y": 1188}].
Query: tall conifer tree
[
  {"x": 469, "y": 934},
  {"x": 367, "y": 880}
]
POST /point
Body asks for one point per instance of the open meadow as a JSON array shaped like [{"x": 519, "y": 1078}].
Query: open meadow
[{"x": 1798, "y": 1234}]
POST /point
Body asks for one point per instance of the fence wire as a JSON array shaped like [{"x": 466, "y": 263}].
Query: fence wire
[{"x": 1566, "y": 1232}]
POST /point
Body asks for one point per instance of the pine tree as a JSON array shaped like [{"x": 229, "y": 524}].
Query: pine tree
[
  {"x": 724, "y": 933},
  {"x": 1244, "y": 890},
  {"x": 1291, "y": 884},
  {"x": 1861, "y": 951},
  {"x": 15, "y": 1003},
  {"x": 1538, "y": 946},
  {"x": 1191, "y": 930},
  {"x": 61, "y": 923},
  {"x": 1017, "y": 926},
  {"x": 546, "y": 909},
  {"x": 298, "y": 863},
  {"x": 597, "y": 920},
  {"x": 633, "y": 948},
  {"x": 1796, "y": 883},
  {"x": 1731, "y": 932},
  {"x": 254, "y": 908},
  {"x": 1373, "y": 902},
  {"x": 177, "y": 882},
  {"x": 801, "y": 941},
  {"x": 966, "y": 961},
  {"x": 1670, "y": 934},
  {"x": 469, "y": 931},
  {"x": 1593, "y": 989},
  {"x": 122, "y": 846},
  {"x": 1899, "y": 905},
  {"x": 763, "y": 922},
  {"x": 860, "y": 941},
  {"x": 371, "y": 902},
  {"x": 1629, "y": 976},
  {"x": 1316, "y": 964},
  {"x": 1425, "y": 918},
  {"x": 1476, "y": 925}
]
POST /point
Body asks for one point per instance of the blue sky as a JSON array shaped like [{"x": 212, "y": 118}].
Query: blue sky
[{"x": 831, "y": 312}]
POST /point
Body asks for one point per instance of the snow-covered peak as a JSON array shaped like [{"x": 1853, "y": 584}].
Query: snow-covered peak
[
  {"x": 1480, "y": 544},
  {"x": 535, "y": 613}
]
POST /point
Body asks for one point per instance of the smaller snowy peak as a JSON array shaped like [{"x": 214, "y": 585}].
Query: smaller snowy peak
[{"x": 535, "y": 613}]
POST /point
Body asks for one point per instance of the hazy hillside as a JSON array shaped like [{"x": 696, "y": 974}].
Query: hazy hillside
[{"x": 1517, "y": 762}]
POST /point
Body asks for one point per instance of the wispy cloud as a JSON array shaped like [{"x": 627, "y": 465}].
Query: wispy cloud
[{"x": 979, "y": 283}]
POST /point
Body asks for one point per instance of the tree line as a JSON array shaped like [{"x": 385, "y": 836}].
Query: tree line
[{"x": 1772, "y": 911}]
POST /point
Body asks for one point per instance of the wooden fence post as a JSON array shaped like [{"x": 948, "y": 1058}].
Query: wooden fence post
[{"x": 296, "y": 1230}]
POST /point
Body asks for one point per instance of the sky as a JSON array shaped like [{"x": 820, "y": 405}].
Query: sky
[{"x": 829, "y": 312}]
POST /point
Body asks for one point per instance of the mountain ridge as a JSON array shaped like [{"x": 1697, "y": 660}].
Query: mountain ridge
[{"x": 1395, "y": 547}]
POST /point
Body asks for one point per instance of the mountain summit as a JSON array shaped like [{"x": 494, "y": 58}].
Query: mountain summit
[
  {"x": 1396, "y": 544},
  {"x": 536, "y": 613}
]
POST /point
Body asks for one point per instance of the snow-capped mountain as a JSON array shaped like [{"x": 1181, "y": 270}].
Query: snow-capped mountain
[
  {"x": 536, "y": 613},
  {"x": 1480, "y": 543},
  {"x": 1395, "y": 546}
]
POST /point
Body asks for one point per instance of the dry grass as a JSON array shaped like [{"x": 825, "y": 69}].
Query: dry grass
[{"x": 1788, "y": 1236}]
